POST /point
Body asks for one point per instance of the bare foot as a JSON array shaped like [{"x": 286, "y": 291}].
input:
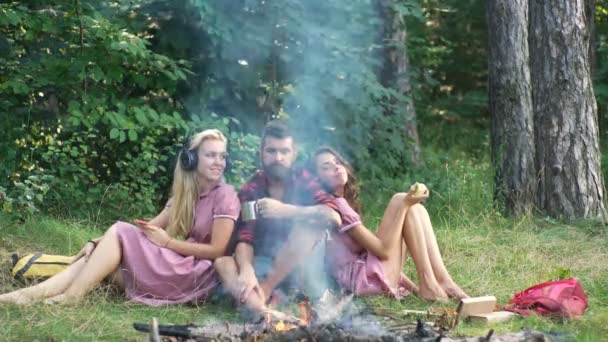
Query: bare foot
[
  {"x": 63, "y": 299},
  {"x": 453, "y": 290},
  {"x": 408, "y": 284},
  {"x": 432, "y": 294},
  {"x": 13, "y": 298}
]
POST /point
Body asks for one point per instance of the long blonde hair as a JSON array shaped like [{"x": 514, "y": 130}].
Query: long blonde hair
[{"x": 184, "y": 192}]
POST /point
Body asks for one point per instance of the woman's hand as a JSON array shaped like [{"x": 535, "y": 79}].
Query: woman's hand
[
  {"x": 85, "y": 252},
  {"x": 418, "y": 193},
  {"x": 157, "y": 235}
]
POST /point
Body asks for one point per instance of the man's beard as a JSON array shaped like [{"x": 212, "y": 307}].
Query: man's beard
[{"x": 275, "y": 171}]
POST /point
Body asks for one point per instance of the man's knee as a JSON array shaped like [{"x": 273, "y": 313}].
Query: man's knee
[{"x": 221, "y": 264}]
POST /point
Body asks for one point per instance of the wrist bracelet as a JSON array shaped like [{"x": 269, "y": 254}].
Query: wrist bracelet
[{"x": 93, "y": 242}]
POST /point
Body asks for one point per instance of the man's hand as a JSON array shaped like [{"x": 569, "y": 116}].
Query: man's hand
[
  {"x": 248, "y": 283},
  {"x": 271, "y": 208},
  {"x": 85, "y": 252}
]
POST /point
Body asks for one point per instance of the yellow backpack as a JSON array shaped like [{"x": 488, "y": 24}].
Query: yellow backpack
[{"x": 38, "y": 265}]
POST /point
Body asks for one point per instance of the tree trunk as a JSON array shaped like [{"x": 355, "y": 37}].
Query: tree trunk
[
  {"x": 396, "y": 74},
  {"x": 513, "y": 150},
  {"x": 590, "y": 19},
  {"x": 567, "y": 140}
]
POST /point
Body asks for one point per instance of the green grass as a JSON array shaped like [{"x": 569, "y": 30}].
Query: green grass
[
  {"x": 485, "y": 253},
  {"x": 103, "y": 316}
]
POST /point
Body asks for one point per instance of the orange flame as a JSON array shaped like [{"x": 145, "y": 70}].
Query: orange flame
[
  {"x": 287, "y": 321},
  {"x": 305, "y": 313},
  {"x": 281, "y": 326}
]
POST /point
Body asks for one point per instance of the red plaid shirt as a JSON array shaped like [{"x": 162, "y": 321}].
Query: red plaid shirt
[{"x": 301, "y": 188}]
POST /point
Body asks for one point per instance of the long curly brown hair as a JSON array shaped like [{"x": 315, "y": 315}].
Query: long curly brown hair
[{"x": 351, "y": 188}]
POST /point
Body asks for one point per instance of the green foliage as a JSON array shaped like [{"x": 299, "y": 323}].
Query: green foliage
[
  {"x": 26, "y": 196},
  {"x": 93, "y": 99},
  {"x": 101, "y": 94},
  {"x": 460, "y": 187},
  {"x": 91, "y": 110},
  {"x": 316, "y": 62},
  {"x": 448, "y": 55}
]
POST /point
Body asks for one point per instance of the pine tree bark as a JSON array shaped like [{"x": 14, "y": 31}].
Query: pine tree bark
[
  {"x": 396, "y": 74},
  {"x": 510, "y": 102},
  {"x": 571, "y": 184},
  {"x": 590, "y": 20}
]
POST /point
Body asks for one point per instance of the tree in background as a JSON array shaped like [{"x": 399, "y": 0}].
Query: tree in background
[
  {"x": 571, "y": 184},
  {"x": 396, "y": 72},
  {"x": 510, "y": 100}
]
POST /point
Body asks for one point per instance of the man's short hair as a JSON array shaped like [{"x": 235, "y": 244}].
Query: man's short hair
[{"x": 277, "y": 129}]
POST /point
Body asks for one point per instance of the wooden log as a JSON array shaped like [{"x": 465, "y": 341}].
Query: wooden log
[
  {"x": 492, "y": 317},
  {"x": 475, "y": 306}
]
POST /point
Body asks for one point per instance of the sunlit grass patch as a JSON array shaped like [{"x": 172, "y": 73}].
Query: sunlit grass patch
[{"x": 485, "y": 253}]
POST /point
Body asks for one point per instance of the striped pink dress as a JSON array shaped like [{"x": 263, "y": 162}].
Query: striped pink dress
[
  {"x": 353, "y": 267},
  {"x": 157, "y": 276}
]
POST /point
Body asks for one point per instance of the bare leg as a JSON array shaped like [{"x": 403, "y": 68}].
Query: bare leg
[
  {"x": 299, "y": 245},
  {"x": 116, "y": 279},
  {"x": 416, "y": 240},
  {"x": 48, "y": 288},
  {"x": 397, "y": 226},
  {"x": 227, "y": 269},
  {"x": 104, "y": 260},
  {"x": 390, "y": 234},
  {"x": 441, "y": 273}
]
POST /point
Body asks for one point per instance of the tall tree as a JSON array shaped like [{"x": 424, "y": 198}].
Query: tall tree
[
  {"x": 510, "y": 102},
  {"x": 571, "y": 184},
  {"x": 590, "y": 16},
  {"x": 396, "y": 73}
]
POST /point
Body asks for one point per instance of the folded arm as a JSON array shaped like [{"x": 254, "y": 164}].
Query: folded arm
[{"x": 220, "y": 237}]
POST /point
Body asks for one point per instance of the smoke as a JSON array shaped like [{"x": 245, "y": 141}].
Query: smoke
[
  {"x": 333, "y": 60},
  {"x": 310, "y": 61}
]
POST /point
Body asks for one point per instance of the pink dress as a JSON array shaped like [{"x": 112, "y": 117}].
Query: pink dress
[
  {"x": 353, "y": 267},
  {"x": 157, "y": 276}
]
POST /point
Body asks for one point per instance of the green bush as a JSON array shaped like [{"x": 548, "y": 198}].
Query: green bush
[{"x": 91, "y": 115}]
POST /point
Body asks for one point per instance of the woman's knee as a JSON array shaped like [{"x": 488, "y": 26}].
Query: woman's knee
[
  {"x": 399, "y": 198},
  {"x": 418, "y": 209},
  {"x": 119, "y": 225},
  {"x": 415, "y": 212}
]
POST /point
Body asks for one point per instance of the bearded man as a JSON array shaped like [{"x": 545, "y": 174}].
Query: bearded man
[{"x": 293, "y": 214}]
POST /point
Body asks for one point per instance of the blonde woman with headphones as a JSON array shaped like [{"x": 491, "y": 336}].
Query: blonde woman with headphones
[{"x": 168, "y": 260}]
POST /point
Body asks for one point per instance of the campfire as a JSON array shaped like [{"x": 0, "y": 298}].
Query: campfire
[
  {"x": 330, "y": 318},
  {"x": 280, "y": 321}
]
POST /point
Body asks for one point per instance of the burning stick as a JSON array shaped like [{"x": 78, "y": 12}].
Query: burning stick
[
  {"x": 281, "y": 316},
  {"x": 305, "y": 311}
]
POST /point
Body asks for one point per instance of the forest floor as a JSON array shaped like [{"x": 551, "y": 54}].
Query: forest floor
[{"x": 486, "y": 255}]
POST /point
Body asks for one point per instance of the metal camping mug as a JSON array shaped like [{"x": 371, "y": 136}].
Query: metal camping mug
[{"x": 249, "y": 211}]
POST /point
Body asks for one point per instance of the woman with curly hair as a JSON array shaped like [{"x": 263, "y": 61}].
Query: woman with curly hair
[{"x": 367, "y": 263}]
